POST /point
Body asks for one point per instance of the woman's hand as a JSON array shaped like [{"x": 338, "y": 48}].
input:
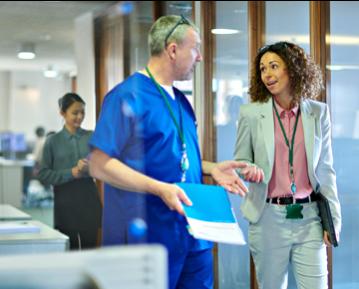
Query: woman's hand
[
  {"x": 76, "y": 173},
  {"x": 252, "y": 173},
  {"x": 83, "y": 166},
  {"x": 326, "y": 238},
  {"x": 225, "y": 175}
]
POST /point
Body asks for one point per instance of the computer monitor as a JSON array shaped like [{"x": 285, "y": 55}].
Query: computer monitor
[
  {"x": 13, "y": 145},
  {"x": 18, "y": 142},
  {"x": 128, "y": 267},
  {"x": 5, "y": 141}
]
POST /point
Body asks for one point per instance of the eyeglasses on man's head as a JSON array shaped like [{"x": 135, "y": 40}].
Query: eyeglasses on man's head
[{"x": 182, "y": 21}]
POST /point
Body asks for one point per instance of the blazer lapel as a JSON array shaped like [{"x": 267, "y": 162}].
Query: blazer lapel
[
  {"x": 308, "y": 119},
  {"x": 267, "y": 128}
]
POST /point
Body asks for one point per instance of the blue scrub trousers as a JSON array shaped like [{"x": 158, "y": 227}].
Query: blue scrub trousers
[{"x": 193, "y": 270}]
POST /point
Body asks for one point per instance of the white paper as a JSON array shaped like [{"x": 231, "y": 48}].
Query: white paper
[
  {"x": 216, "y": 231},
  {"x": 211, "y": 216}
]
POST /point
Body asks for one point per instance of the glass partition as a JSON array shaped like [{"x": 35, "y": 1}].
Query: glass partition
[
  {"x": 287, "y": 21},
  {"x": 140, "y": 22},
  {"x": 344, "y": 70},
  {"x": 230, "y": 85}
]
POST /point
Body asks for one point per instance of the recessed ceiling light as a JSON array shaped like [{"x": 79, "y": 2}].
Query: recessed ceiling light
[
  {"x": 26, "y": 51},
  {"x": 45, "y": 37},
  {"x": 50, "y": 72}
]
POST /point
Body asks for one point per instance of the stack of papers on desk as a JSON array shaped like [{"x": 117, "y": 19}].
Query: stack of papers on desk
[
  {"x": 211, "y": 216},
  {"x": 18, "y": 227}
]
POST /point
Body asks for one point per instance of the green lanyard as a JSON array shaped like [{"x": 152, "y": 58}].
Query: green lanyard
[
  {"x": 290, "y": 146},
  {"x": 184, "y": 157},
  {"x": 179, "y": 128}
]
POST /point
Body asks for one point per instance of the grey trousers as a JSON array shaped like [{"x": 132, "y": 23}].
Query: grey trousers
[{"x": 276, "y": 242}]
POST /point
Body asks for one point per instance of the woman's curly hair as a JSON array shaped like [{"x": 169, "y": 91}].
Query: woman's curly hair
[{"x": 305, "y": 77}]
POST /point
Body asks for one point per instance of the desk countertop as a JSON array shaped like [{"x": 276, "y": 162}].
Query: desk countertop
[{"x": 10, "y": 213}]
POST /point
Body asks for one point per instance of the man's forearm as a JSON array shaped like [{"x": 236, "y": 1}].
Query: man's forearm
[{"x": 119, "y": 175}]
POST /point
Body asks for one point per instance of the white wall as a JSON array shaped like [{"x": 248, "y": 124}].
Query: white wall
[
  {"x": 85, "y": 61},
  {"x": 33, "y": 102},
  {"x": 4, "y": 99},
  {"x": 28, "y": 99}
]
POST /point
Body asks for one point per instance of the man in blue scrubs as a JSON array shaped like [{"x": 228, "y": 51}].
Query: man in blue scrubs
[{"x": 145, "y": 141}]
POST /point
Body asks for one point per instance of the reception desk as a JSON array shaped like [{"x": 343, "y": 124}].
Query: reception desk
[{"x": 44, "y": 239}]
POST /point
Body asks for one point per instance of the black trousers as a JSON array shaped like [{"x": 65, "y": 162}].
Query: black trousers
[{"x": 78, "y": 212}]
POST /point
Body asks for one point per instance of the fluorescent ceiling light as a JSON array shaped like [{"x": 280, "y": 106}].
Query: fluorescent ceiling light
[
  {"x": 26, "y": 55},
  {"x": 224, "y": 31},
  {"x": 26, "y": 51},
  {"x": 343, "y": 40},
  {"x": 342, "y": 67},
  {"x": 304, "y": 39}
]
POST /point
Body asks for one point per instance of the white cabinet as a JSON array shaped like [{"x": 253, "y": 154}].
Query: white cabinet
[{"x": 11, "y": 181}]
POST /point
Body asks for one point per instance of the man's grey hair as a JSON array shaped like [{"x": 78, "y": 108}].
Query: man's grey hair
[{"x": 160, "y": 30}]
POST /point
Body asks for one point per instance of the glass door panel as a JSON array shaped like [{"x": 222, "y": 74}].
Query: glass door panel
[
  {"x": 288, "y": 21},
  {"x": 344, "y": 101},
  {"x": 230, "y": 85}
]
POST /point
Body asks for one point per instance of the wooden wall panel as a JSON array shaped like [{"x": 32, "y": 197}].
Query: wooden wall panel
[
  {"x": 109, "y": 60},
  {"x": 320, "y": 51},
  {"x": 208, "y": 133},
  {"x": 256, "y": 39},
  {"x": 319, "y": 40},
  {"x": 256, "y": 28},
  {"x": 208, "y": 43}
]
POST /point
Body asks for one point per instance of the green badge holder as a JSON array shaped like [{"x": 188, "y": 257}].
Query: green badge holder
[{"x": 294, "y": 211}]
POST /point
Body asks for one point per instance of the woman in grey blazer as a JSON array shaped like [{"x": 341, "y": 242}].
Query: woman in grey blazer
[{"x": 285, "y": 136}]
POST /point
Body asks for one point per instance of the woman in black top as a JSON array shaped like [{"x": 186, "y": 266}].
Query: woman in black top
[{"x": 77, "y": 207}]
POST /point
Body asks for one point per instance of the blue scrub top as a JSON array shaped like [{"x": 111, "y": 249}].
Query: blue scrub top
[{"x": 136, "y": 128}]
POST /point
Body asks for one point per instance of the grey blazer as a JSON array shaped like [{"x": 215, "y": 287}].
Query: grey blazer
[{"x": 255, "y": 145}]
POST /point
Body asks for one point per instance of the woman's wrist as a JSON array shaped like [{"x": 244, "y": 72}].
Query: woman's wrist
[{"x": 207, "y": 167}]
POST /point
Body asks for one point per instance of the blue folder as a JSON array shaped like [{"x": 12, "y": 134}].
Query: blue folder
[{"x": 210, "y": 203}]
